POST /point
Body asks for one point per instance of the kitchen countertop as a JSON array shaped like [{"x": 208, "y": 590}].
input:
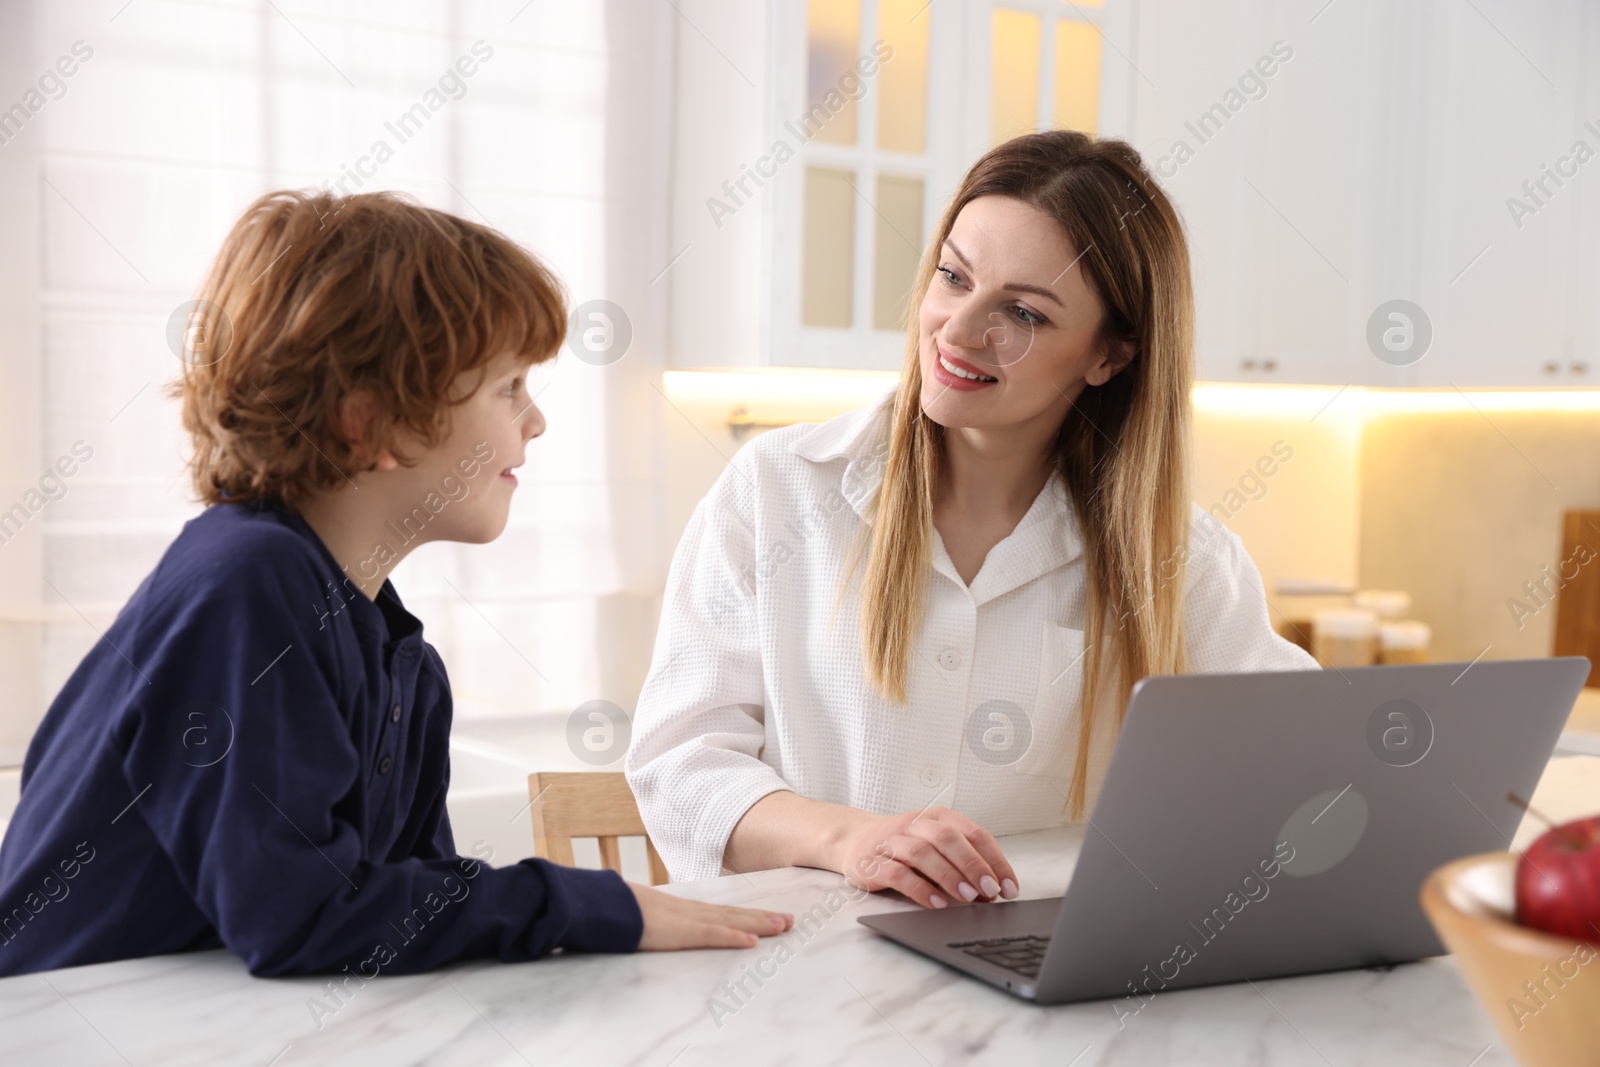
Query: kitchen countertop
[{"x": 843, "y": 995}]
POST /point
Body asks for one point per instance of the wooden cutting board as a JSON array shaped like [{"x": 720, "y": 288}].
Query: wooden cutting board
[{"x": 1578, "y": 603}]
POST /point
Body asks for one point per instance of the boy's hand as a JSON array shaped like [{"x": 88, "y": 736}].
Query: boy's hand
[
  {"x": 672, "y": 923},
  {"x": 936, "y": 857}
]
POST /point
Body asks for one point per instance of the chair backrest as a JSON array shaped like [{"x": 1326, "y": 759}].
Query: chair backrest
[
  {"x": 593, "y": 804},
  {"x": 1577, "y": 631}
]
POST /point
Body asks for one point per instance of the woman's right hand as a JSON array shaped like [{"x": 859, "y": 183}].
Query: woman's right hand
[{"x": 935, "y": 856}]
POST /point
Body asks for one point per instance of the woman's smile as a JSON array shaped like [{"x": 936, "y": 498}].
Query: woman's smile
[{"x": 954, "y": 373}]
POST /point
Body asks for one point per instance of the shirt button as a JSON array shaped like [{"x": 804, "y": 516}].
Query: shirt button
[
  {"x": 929, "y": 777},
  {"x": 383, "y": 765},
  {"x": 394, "y": 716},
  {"x": 949, "y": 659}
]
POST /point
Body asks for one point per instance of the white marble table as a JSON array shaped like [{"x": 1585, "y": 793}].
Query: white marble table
[{"x": 843, "y": 997}]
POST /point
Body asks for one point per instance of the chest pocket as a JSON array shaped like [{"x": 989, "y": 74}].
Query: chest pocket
[{"x": 1056, "y": 707}]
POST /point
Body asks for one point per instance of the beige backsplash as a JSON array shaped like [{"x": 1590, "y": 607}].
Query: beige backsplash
[
  {"x": 1462, "y": 508},
  {"x": 1304, "y": 521}
]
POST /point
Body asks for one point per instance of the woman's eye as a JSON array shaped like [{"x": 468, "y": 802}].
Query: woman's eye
[
  {"x": 1027, "y": 318},
  {"x": 950, "y": 277}
]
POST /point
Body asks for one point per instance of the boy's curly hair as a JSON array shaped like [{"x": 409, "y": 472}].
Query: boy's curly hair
[{"x": 313, "y": 297}]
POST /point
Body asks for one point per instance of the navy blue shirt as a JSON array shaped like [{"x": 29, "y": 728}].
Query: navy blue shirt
[{"x": 256, "y": 756}]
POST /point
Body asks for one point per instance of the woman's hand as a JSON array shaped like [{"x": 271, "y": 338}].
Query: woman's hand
[
  {"x": 936, "y": 857},
  {"x": 672, "y": 923},
  {"x": 928, "y": 855}
]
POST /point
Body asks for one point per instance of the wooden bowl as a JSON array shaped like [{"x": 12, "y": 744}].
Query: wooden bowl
[{"x": 1541, "y": 991}]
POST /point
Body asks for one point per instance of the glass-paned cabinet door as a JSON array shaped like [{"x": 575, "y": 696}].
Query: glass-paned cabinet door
[
  {"x": 874, "y": 142},
  {"x": 882, "y": 106},
  {"x": 1044, "y": 67}
]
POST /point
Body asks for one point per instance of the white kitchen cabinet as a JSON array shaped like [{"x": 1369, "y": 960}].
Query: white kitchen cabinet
[
  {"x": 1189, "y": 56},
  {"x": 1325, "y": 160},
  {"x": 1317, "y": 197},
  {"x": 1377, "y": 166},
  {"x": 1500, "y": 114},
  {"x": 1581, "y": 364},
  {"x": 747, "y": 167},
  {"x": 1260, "y": 125}
]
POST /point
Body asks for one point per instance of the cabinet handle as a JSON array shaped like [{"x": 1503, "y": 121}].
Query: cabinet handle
[
  {"x": 1551, "y": 368},
  {"x": 1269, "y": 364},
  {"x": 1248, "y": 364},
  {"x": 1580, "y": 368}
]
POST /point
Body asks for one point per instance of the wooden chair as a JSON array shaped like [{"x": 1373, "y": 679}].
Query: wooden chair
[
  {"x": 1578, "y": 602},
  {"x": 587, "y": 804}
]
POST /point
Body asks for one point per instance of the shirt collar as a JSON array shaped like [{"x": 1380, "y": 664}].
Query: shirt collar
[
  {"x": 384, "y": 615},
  {"x": 1048, "y": 535},
  {"x": 861, "y": 438}
]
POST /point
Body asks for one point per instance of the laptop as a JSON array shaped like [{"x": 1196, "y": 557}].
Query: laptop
[{"x": 1264, "y": 825}]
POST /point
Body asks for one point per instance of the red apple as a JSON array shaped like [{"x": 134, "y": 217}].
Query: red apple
[{"x": 1558, "y": 881}]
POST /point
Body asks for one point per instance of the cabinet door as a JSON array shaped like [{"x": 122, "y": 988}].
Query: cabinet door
[
  {"x": 1314, "y": 199},
  {"x": 1498, "y": 223},
  {"x": 854, "y": 210},
  {"x": 1379, "y": 163},
  {"x": 865, "y": 112},
  {"x": 1582, "y": 363},
  {"x": 1189, "y": 54},
  {"x": 1264, "y": 131}
]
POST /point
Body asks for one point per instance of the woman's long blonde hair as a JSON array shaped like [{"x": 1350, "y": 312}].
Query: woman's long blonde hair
[{"x": 1123, "y": 450}]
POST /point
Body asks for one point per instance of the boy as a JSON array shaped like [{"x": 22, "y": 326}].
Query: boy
[{"x": 256, "y": 754}]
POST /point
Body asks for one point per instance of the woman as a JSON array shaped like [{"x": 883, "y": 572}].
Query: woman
[{"x": 880, "y": 633}]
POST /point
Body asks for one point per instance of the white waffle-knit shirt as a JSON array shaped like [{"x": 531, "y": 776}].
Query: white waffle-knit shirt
[{"x": 757, "y": 684}]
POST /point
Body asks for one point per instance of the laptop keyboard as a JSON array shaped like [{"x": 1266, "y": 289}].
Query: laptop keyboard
[{"x": 1024, "y": 954}]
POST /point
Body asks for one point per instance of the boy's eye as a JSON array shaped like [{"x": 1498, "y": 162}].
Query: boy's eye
[{"x": 511, "y": 390}]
